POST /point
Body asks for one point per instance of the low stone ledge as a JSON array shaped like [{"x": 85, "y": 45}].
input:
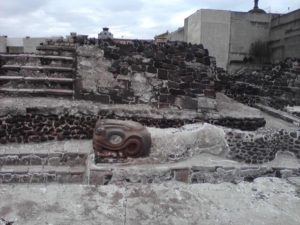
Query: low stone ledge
[
  {"x": 51, "y": 153},
  {"x": 52, "y": 159},
  {"x": 216, "y": 171},
  {"x": 40, "y": 174}
]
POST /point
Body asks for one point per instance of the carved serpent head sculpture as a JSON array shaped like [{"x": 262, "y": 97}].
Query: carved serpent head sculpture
[{"x": 117, "y": 139}]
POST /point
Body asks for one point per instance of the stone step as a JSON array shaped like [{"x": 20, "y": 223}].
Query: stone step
[
  {"x": 42, "y": 158},
  {"x": 42, "y": 174},
  {"x": 37, "y": 60},
  {"x": 52, "y": 57},
  {"x": 43, "y": 68},
  {"x": 37, "y": 73},
  {"x": 204, "y": 168},
  {"x": 55, "y": 48},
  {"x": 37, "y": 79},
  {"x": 59, "y": 92},
  {"x": 53, "y": 153}
]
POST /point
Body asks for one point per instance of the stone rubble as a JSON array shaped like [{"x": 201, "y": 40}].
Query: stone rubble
[{"x": 276, "y": 85}]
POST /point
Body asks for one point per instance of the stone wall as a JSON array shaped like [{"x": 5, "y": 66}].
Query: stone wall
[
  {"x": 162, "y": 75},
  {"x": 40, "y": 128},
  {"x": 275, "y": 85},
  {"x": 248, "y": 146},
  {"x": 263, "y": 145}
]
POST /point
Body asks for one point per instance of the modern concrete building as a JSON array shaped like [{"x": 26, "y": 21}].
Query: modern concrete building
[
  {"x": 228, "y": 35},
  {"x": 30, "y": 43},
  {"x": 212, "y": 29},
  {"x": 22, "y": 45},
  {"x": 246, "y": 29},
  {"x": 285, "y": 36},
  {"x": 3, "y": 44},
  {"x": 14, "y": 45},
  {"x": 177, "y": 35}
]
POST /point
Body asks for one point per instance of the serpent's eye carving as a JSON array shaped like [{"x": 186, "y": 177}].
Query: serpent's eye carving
[{"x": 117, "y": 139}]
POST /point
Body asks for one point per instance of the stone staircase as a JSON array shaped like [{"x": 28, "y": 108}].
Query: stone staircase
[
  {"x": 51, "y": 72},
  {"x": 62, "y": 162}
]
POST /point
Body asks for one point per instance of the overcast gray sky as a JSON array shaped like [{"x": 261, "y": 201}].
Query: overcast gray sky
[{"x": 126, "y": 18}]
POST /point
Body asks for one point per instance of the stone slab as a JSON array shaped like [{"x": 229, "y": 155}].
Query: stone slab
[
  {"x": 53, "y": 153},
  {"x": 280, "y": 114},
  {"x": 228, "y": 107},
  {"x": 265, "y": 201}
]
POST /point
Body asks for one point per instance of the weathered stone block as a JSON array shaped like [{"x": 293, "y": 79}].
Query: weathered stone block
[
  {"x": 176, "y": 92},
  {"x": 151, "y": 69},
  {"x": 206, "y": 104},
  {"x": 182, "y": 175},
  {"x": 54, "y": 161},
  {"x": 188, "y": 78},
  {"x": 138, "y": 68},
  {"x": 76, "y": 178},
  {"x": 196, "y": 85},
  {"x": 35, "y": 160},
  {"x": 163, "y": 98},
  {"x": 184, "y": 85},
  {"x": 164, "y": 90},
  {"x": 116, "y": 99},
  {"x": 37, "y": 178},
  {"x": 12, "y": 160},
  {"x": 162, "y": 74},
  {"x": 186, "y": 102},
  {"x": 197, "y": 91},
  {"x": 99, "y": 177},
  {"x": 172, "y": 85},
  {"x": 63, "y": 177},
  {"x": 173, "y": 76},
  {"x": 157, "y": 64},
  {"x": 210, "y": 93}
]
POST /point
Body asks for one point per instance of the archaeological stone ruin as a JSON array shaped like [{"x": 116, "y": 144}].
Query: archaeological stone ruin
[
  {"x": 196, "y": 126},
  {"x": 67, "y": 115}
]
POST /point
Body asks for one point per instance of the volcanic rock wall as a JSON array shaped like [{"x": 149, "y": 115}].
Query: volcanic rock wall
[
  {"x": 41, "y": 128},
  {"x": 142, "y": 72},
  {"x": 276, "y": 86},
  {"x": 263, "y": 145},
  {"x": 34, "y": 127}
]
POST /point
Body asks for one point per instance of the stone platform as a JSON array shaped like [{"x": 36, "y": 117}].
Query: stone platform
[
  {"x": 204, "y": 168},
  {"x": 72, "y": 162},
  {"x": 195, "y": 153},
  {"x": 265, "y": 201}
]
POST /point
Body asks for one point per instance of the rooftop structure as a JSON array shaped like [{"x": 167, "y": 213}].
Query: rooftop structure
[
  {"x": 105, "y": 34},
  {"x": 256, "y": 9}
]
